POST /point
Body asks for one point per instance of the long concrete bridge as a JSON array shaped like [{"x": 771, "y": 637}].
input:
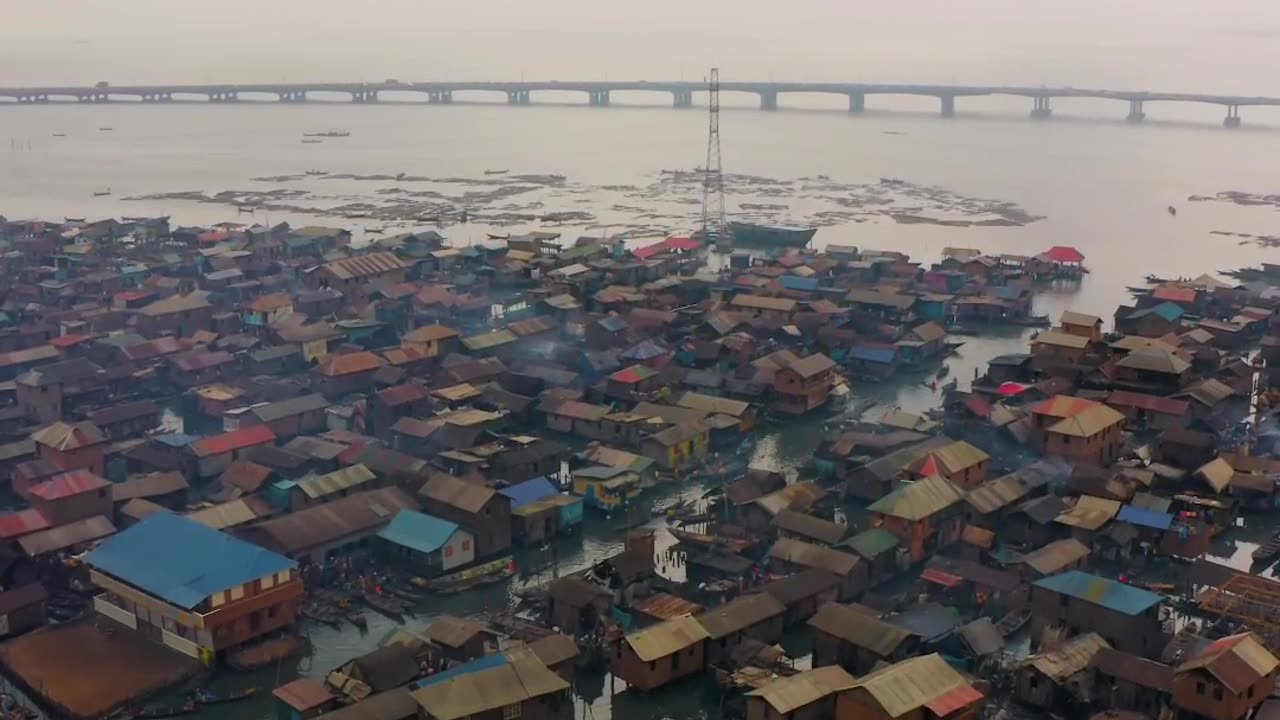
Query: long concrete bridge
[{"x": 599, "y": 92}]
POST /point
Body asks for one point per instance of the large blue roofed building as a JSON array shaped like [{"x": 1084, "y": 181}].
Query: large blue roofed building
[
  {"x": 204, "y": 590},
  {"x": 1075, "y": 602}
]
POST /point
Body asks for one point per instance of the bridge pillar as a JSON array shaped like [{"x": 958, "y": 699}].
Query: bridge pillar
[
  {"x": 446, "y": 97},
  {"x": 857, "y": 102},
  {"x": 948, "y": 105},
  {"x": 682, "y": 98},
  {"x": 1136, "y": 115},
  {"x": 1233, "y": 117},
  {"x": 598, "y": 98},
  {"x": 768, "y": 100},
  {"x": 1041, "y": 110}
]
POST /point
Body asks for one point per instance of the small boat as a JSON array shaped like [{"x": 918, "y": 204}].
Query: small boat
[
  {"x": 385, "y": 605},
  {"x": 375, "y": 230},
  {"x": 496, "y": 172},
  {"x": 1173, "y": 210},
  {"x": 265, "y": 653},
  {"x": 357, "y": 618},
  {"x": 105, "y": 129},
  {"x": 190, "y": 707},
  {"x": 75, "y": 220},
  {"x": 328, "y": 134},
  {"x": 405, "y": 593},
  {"x": 312, "y": 142},
  {"x": 942, "y": 372},
  {"x": 497, "y": 236},
  {"x": 325, "y": 616},
  {"x": 753, "y": 234},
  {"x": 101, "y": 193},
  {"x": 490, "y": 572},
  {"x": 317, "y": 172},
  {"x": 214, "y": 697},
  {"x": 1013, "y": 622},
  {"x": 59, "y": 134},
  {"x": 951, "y": 385},
  {"x": 1268, "y": 550}
]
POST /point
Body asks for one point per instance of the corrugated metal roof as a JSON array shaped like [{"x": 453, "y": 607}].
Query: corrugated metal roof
[
  {"x": 181, "y": 561},
  {"x": 468, "y": 496},
  {"x": 67, "y": 484},
  {"x": 666, "y": 637},
  {"x": 918, "y": 500},
  {"x": 713, "y": 404},
  {"x": 523, "y": 678},
  {"x": 1090, "y": 512},
  {"x": 529, "y": 491},
  {"x": 65, "y": 536},
  {"x": 1237, "y": 661},
  {"x": 792, "y": 693},
  {"x": 288, "y": 408},
  {"x": 813, "y": 556},
  {"x": 1061, "y": 663},
  {"x": 365, "y": 265},
  {"x": 489, "y": 340},
  {"x": 1110, "y": 594},
  {"x": 69, "y": 436},
  {"x": 1056, "y": 555},
  {"x": 337, "y": 481},
  {"x": 234, "y": 440},
  {"x": 418, "y": 531},
  {"x": 911, "y": 684},
  {"x": 740, "y": 614},
  {"x": 345, "y": 517},
  {"x": 225, "y": 515},
  {"x": 1088, "y": 423},
  {"x": 859, "y": 629}
]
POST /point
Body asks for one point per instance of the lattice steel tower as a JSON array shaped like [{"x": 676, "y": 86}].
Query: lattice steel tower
[{"x": 713, "y": 222}]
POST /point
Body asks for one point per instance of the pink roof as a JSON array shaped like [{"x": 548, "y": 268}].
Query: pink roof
[
  {"x": 1008, "y": 389},
  {"x": 682, "y": 243},
  {"x": 76, "y": 482},
  {"x": 671, "y": 243},
  {"x": 1064, "y": 254},
  {"x": 213, "y": 236},
  {"x": 234, "y": 440},
  {"x": 1152, "y": 403},
  {"x": 648, "y": 251},
  {"x": 25, "y": 522}
]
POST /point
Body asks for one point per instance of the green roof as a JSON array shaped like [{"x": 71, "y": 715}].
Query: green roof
[{"x": 872, "y": 543}]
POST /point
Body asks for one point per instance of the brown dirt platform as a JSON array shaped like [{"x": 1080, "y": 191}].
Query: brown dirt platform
[{"x": 91, "y": 667}]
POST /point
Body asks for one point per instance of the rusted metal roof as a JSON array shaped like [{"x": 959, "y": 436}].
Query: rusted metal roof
[
  {"x": 337, "y": 481},
  {"x": 1090, "y": 512},
  {"x": 1061, "y": 663},
  {"x": 859, "y": 629},
  {"x": 665, "y": 606},
  {"x": 1237, "y": 661},
  {"x": 919, "y": 500},
  {"x": 740, "y": 614}
]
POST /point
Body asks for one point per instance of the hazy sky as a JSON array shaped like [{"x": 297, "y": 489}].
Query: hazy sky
[{"x": 1190, "y": 45}]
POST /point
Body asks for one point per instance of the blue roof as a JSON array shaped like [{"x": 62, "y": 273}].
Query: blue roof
[
  {"x": 643, "y": 350},
  {"x": 1145, "y": 518},
  {"x": 178, "y": 440},
  {"x": 613, "y": 323},
  {"x": 1109, "y": 594},
  {"x": 418, "y": 531},
  {"x": 1166, "y": 310},
  {"x": 182, "y": 561},
  {"x": 795, "y": 282},
  {"x": 529, "y": 491},
  {"x": 488, "y": 662},
  {"x": 873, "y": 354}
]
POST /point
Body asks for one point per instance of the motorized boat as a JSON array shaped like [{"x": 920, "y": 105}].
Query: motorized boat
[{"x": 214, "y": 697}]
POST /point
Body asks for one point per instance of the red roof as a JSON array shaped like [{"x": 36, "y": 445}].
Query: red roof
[
  {"x": 66, "y": 341},
  {"x": 235, "y": 440},
  {"x": 945, "y": 579},
  {"x": 1151, "y": 403},
  {"x": 671, "y": 243},
  {"x": 402, "y": 394},
  {"x": 1064, "y": 254},
  {"x": 15, "y": 525},
  {"x": 952, "y": 700},
  {"x": 1174, "y": 293},
  {"x": 682, "y": 243},
  {"x": 76, "y": 482},
  {"x": 1063, "y": 406},
  {"x": 213, "y": 236},
  {"x": 978, "y": 405}
]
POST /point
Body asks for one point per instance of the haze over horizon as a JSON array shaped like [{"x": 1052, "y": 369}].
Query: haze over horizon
[{"x": 1179, "y": 45}]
